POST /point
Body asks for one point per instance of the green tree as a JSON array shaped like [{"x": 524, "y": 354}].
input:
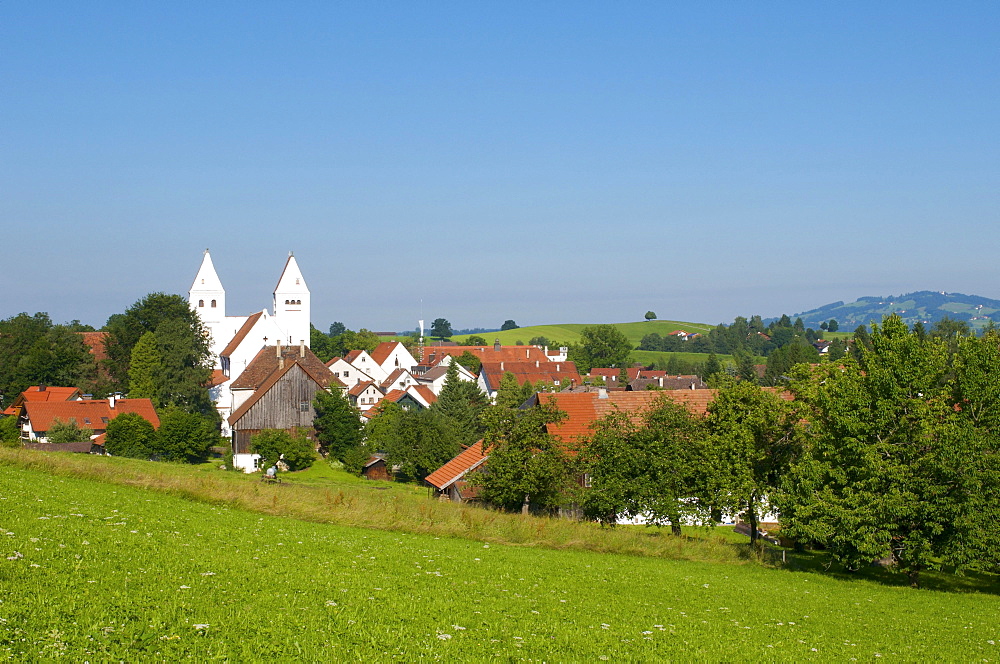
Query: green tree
[
  {"x": 67, "y": 432},
  {"x": 184, "y": 436},
  {"x": 296, "y": 449},
  {"x": 130, "y": 435},
  {"x": 186, "y": 368},
  {"x": 363, "y": 339},
  {"x": 146, "y": 315},
  {"x": 833, "y": 325},
  {"x": 541, "y": 341},
  {"x": 146, "y": 369},
  {"x": 441, "y": 328},
  {"x": 470, "y": 362},
  {"x": 509, "y": 391},
  {"x": 321, "y": 345},
  {"x": 755, "y": 439},
  {"x": 711, "y": 368},
  {"x": 527, "y": 466},
  {"x": 509, "y": 325},
  {"x": 601, "y": 346},
  {"x": 650, "y": 315},
  {"x": 462, "y": 403},
  {"x": 475, "y": 340},
  {"x": 33, "y": 351},
  {"x": 337, "y": 423},
  {"x": 895, "y": 467},
  {"x": 421, "y": 442},
  {"x": 658, "y": 467},
  {"x": 337, "y": 328},
  {"x": 10, "y": 434}
]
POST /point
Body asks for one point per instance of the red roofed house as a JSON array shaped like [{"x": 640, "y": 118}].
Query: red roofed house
[
  {"x": 392, "y": 355},
  {"x": 41, "y": 393},
  {"x": 449, "y": 478},
  {"x": 38, "y": 417},
  {"x": 557, "y": 373}
]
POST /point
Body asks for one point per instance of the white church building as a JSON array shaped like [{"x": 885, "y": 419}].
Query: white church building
[{"x": 236, "y": 340}]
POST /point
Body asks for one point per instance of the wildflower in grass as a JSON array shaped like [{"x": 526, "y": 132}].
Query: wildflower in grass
[
  {"x": 201, "y": 627},
  {"x": 185, "y": 587},
  {"x": 208, "y": 573},
  {"x": 457, "y": 627},
  {"x": 330, "y": 602},
  {"x": 444, "y": 637},
  {"x": 17, "y": 555}
]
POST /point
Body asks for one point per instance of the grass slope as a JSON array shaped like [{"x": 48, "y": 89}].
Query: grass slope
[
  {"x": 98, "y": 572},
  {"x": 570, "y": 332}
]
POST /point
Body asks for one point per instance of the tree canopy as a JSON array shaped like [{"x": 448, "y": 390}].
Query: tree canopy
[
  {"x": 600, "y": 346},
  {"x": 441, "y": 328}
]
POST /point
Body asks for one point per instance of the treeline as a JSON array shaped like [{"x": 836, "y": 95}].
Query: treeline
[
  {"x": 156, "y": 349},
  {"x": 743, "y": 336},
  {"x": 890, "y": 453}
]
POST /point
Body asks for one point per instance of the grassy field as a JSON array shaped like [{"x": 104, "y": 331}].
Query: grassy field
[
  {"x": 570, "y": 332},
  {"x": 94, "y": 571},
  {"x": 99, "y": 571}
]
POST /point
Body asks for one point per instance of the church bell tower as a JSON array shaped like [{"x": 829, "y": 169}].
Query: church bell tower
[{"x": 291, "y": 304}]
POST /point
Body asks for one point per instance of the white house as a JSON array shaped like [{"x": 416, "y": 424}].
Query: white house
[
  {"x": 392, "y": 355},
  {"x": 362, "y": 361},
  {"x": 347, "y": 373}
]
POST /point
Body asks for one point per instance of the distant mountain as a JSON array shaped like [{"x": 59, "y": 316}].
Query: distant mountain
[{"x": 926, "y": 306}]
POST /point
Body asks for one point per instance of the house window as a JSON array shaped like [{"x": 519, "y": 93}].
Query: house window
[
  {"x": 86, "y": 420},
  {"x": 347, "y": 374},
  {"x": 201, "y": 303},
  {"x": 104, "y": 419},
  {"x": 213, "y": 304},
  {"x": 587, "y": 480},
  {"x": 303, "y": 406}
]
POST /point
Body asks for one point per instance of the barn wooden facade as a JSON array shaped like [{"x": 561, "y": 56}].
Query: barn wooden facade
[
  {"x": 284, "y": 403},
  {"x": 281, "y": 384}
]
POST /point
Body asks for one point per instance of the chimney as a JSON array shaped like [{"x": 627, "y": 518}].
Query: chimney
[
  {"x": 557, "y": 367},
  {"x": 112, "y": 398},
  {"x": 277, "y": 348},
  {"x": 302, "y": 347},
  {"x": 41, "y": 388},
  {"x": 496, "y": 345},
  {"x": 536, "y": 364},
  {"x": 501, "y": 366},
  {"x": 602, "y": 393}
]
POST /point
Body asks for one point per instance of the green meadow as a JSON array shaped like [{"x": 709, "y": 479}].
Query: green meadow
[
  {"x": 570, "y": 332},
  {"x": 127, "y": 566}
]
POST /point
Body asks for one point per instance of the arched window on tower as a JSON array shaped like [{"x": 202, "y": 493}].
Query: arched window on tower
[
  {"x": 213, "y": 304},
  {"x": 201, "y": 303}
]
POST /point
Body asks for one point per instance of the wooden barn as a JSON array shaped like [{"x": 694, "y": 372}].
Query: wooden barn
[
  {"x": 284, "y": 382},
  {"x": 375, "y": 468}
]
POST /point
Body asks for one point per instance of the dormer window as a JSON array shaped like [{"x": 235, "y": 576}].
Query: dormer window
[{"x": 201, "y": 303}]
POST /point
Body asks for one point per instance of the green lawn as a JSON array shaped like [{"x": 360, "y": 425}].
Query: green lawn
[
  {"x": 570, "y": 332},
  {"x": 99, "y": 572}
]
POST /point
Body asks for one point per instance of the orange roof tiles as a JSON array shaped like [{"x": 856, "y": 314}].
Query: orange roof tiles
[
  {"x": 529, "y": 371},
  {"x": 469, "y": 459},
  {"x": 433, "y": 354},
  {"x": 266, "y": 363},
  {"x": 383, "y": 350},
  {"x": 95, "y": 340},
  {"x": 425, "y": 392},
  {"x": 89, "y": 413},
  {"x": 360, "y": 387}
]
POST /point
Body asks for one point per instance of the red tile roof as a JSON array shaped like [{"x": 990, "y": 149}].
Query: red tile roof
[
  {"x": 218, "y": 378},
  {"x": 383, "y": 350},
  {"x": 360, "y": 387},
  {"x": 425, "y": 392},
  {"x": 469, "y": 459},
  {"x": 89, "y": 413},
  {"x": 352, "y": 355},
  {"x": 493, "y": 372},
  {"x": 95, "y": 340},
  {"x": 393, "y": 377}
]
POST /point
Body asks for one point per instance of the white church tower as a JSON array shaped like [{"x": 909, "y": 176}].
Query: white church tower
[
  {"x": 207, "y": 296},
  {"x": 291, "y": 304}
]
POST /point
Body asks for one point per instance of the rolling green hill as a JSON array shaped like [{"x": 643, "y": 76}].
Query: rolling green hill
[
  {"x": 568, "y": 333},
  {"x": 927, "y": 307}
]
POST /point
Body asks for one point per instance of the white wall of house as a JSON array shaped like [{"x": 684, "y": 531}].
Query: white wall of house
[
  {"x": 399, "y": 358},
  {"x": 248, "y": 463},
  {"x": 365, "y": 363},
  {"x": 348, "y": 374}
]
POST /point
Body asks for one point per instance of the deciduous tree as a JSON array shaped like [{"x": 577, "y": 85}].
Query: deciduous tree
[
  {"x": 130, "y": 435},
  {"x": 337, "y": 423}
]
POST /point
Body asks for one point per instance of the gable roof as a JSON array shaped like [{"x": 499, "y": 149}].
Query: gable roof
[
  {"x": 267, "y": 362},
  {"x": 88, "y": 413},
  {"x": 394, "y": 376},
  {"x": 241, "y": 334},
  {"x": 261, "y": 390},
  {"x": 469, "y": 459},
  {"x": 424, "y": 392},
  {"x": 359, "y": 388},
  {"x": 383, "y": 351}
]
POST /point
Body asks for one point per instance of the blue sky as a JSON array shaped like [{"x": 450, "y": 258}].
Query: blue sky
[{"x": 547, "y": 162}]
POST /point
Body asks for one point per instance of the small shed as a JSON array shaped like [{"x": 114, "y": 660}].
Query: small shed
[{"x": 375, "y": 468}]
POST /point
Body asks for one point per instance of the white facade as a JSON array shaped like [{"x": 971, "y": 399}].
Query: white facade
[
  {"x": 236, "y": 340},
  {"x": 348, "y": 374}
]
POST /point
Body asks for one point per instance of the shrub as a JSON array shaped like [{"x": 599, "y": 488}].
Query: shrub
[
  {"x": 184, "y": 436},
  {"x": 130, "y": 435},
  {"x": 67, "y": 432},
  {"x": 299, "y": 452},
  {"x": 10, "y": 436}
]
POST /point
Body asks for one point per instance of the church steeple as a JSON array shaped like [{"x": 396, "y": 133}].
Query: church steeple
[
  {"x": 291, "y": 303},
  {"x": 207, "y": 296}
]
